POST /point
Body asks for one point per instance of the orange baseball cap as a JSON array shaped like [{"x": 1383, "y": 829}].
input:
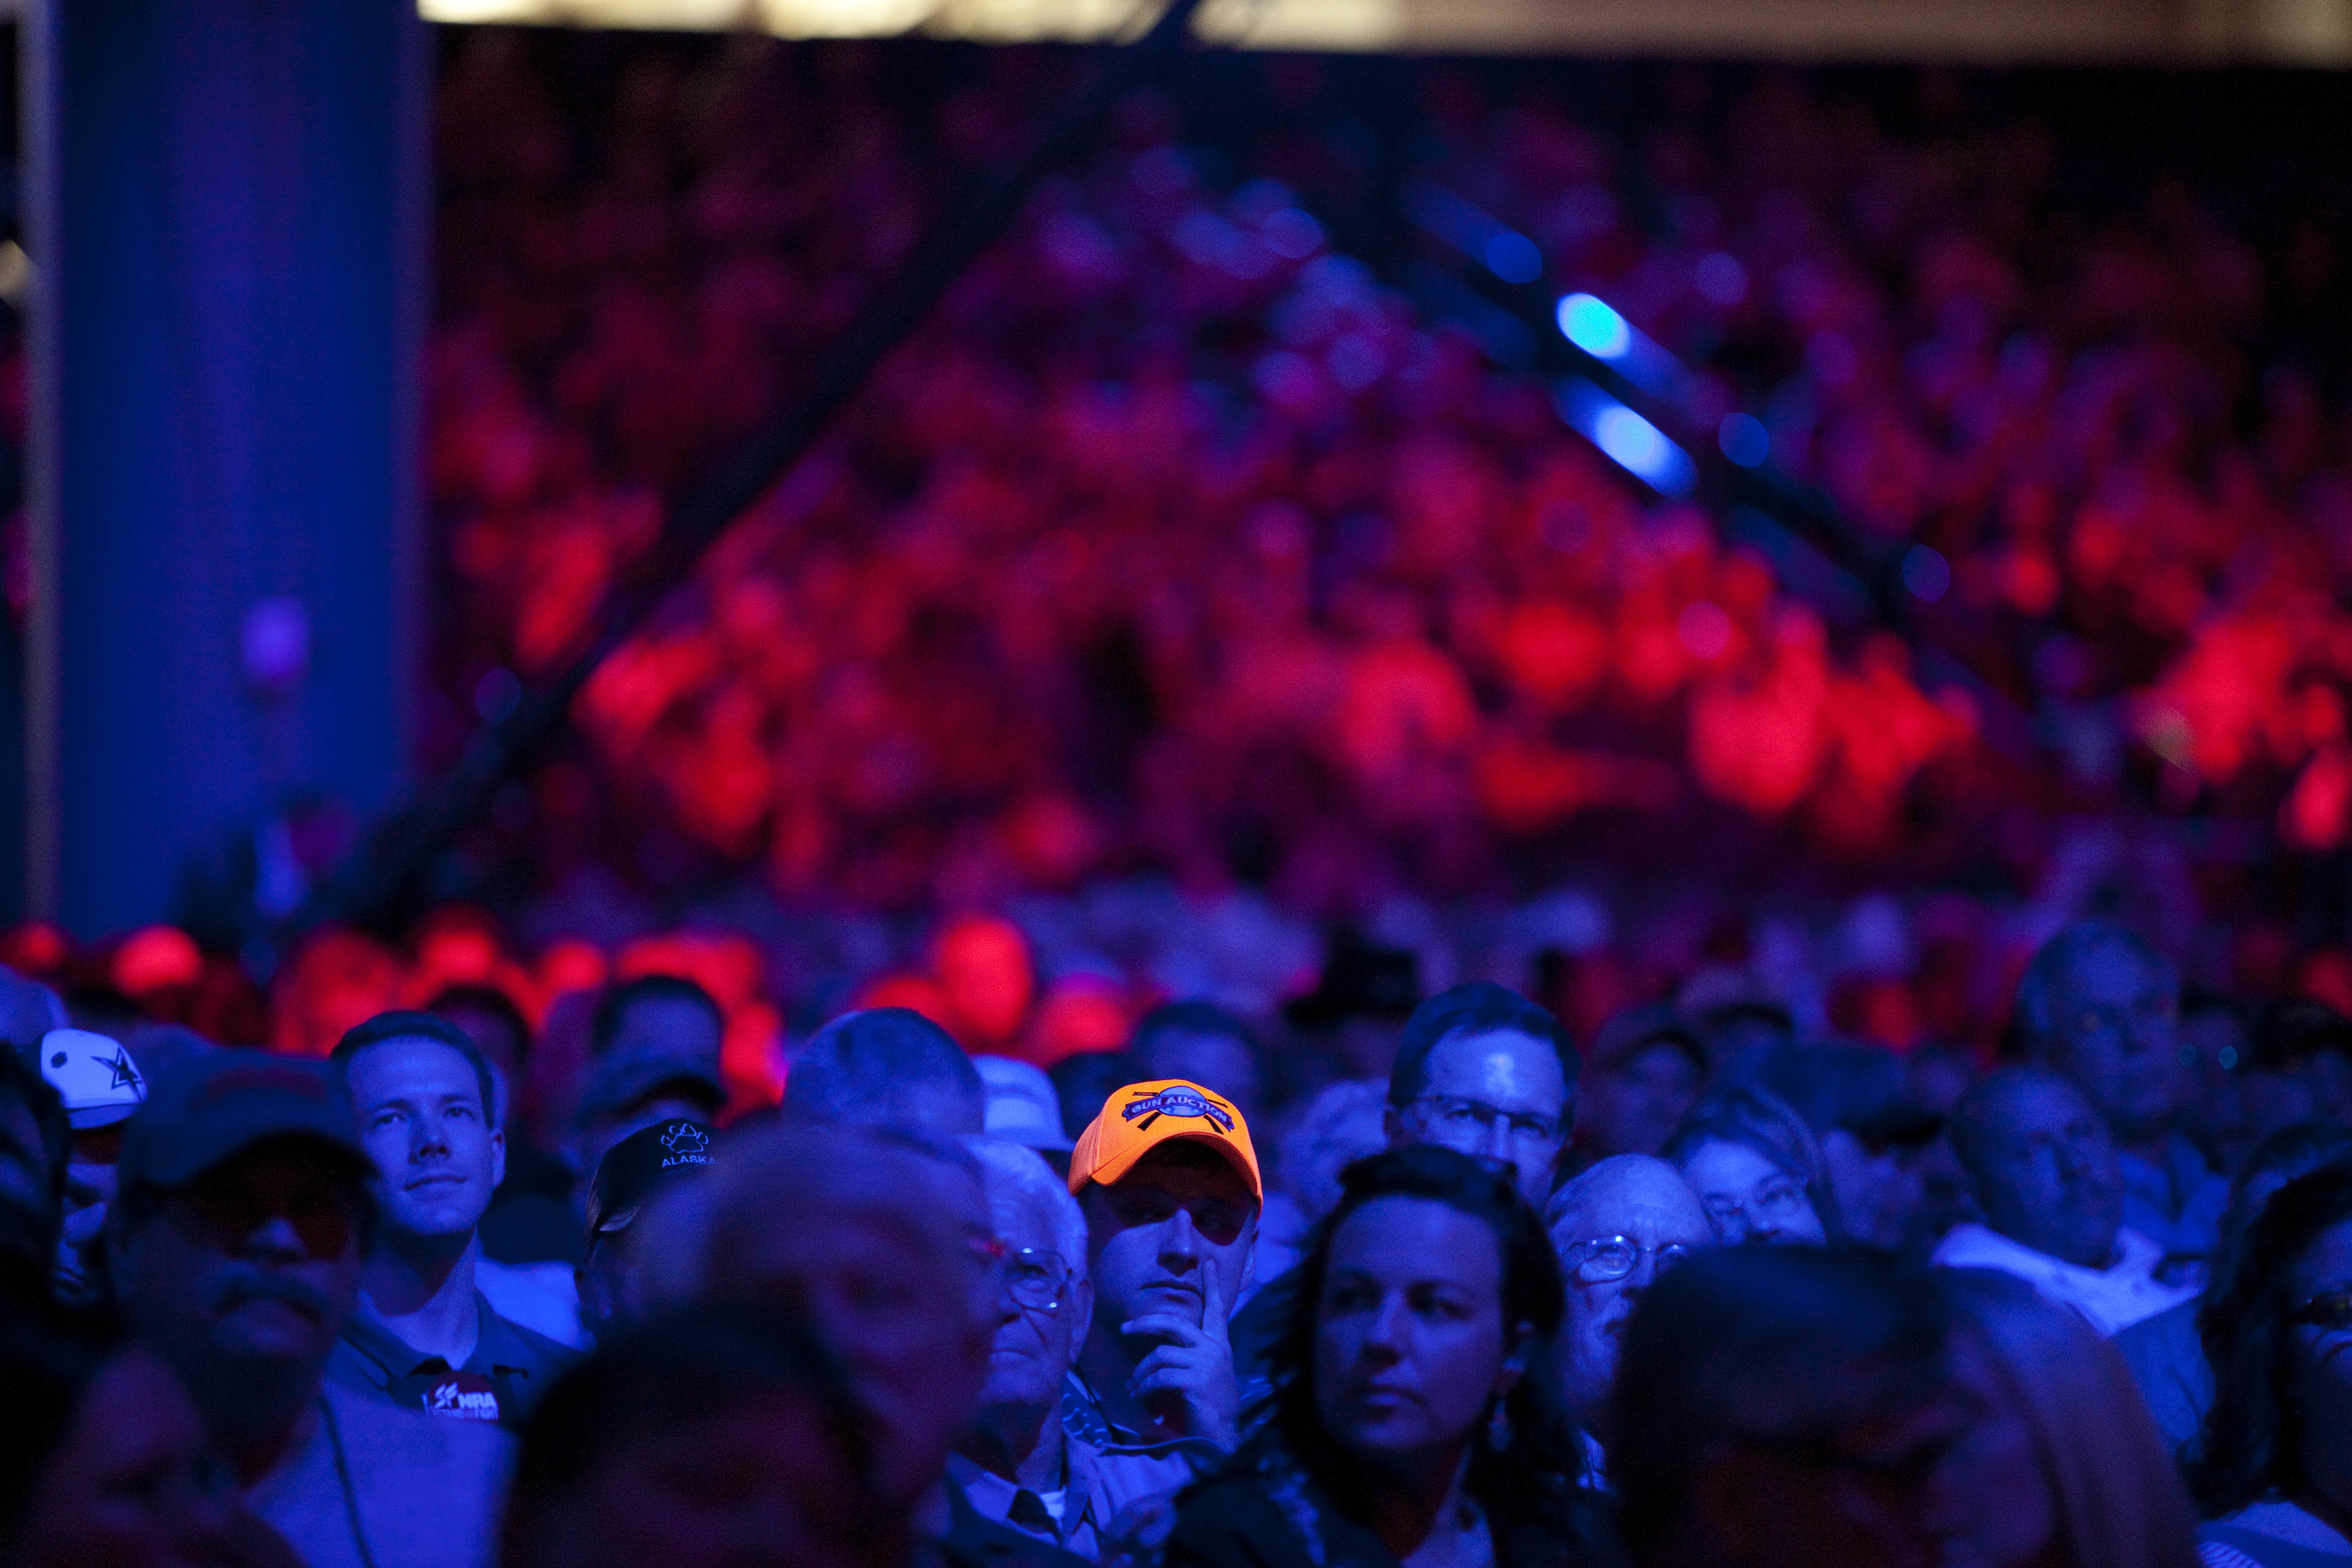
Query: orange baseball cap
[{"x": 1141, "y": 1117}]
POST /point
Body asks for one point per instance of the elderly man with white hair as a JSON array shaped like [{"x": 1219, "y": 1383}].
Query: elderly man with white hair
[
  {"x": 1616, "y": 1226},
  {"x": 886, "y": 1242},
  {"x": 1020, "y": 1465}
]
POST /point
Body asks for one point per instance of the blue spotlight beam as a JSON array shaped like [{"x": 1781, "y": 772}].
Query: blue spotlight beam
[{"x": 1623, "y": 392}]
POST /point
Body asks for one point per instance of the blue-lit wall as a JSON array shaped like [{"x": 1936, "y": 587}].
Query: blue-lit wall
[{"x": 227, "y": 236}]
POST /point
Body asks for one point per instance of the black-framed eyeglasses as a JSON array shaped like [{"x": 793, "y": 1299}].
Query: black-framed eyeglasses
[
  {"x": 2331, "y": 1311},
  {"x": 1604, "y": 1258},
  {"x": 1475, "y": 1118}
]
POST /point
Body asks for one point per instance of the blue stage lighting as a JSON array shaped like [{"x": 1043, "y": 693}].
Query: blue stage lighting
[
  {"x": 1593, "y": 326},
  {"x": 1513, "y": 257},
  {"x": 1626, "y": 438},
  {"x": 1926, "y": 572},
  {"x": 1744, "y": 439}
]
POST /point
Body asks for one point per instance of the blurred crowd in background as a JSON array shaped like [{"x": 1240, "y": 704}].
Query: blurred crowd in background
[{"x": 1208, "y": 814}]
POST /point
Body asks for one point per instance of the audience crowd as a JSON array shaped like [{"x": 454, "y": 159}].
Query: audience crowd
[
  {"x": 1180, "y": 536},
  {"x": 1380, "y": 1288},
  {"x": 1139, "y": 1225}
]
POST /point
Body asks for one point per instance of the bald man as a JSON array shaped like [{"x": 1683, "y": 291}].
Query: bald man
[
  {"x": 886, "y": 1066},
  {"x": 1616, "y": 1227},
  {"x": 2043, "y": 1166},
  {"x": 883, "y": 1243}
]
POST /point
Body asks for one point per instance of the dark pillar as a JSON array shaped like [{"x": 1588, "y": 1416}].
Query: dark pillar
[{"x": 227, "y": 225}]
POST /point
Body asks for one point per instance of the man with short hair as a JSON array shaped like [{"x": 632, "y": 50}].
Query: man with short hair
[
  {"x": 640, "y": 1168},
  {"x": 642, "y": 1085},
  {"x": 2044, "y": 1171},
  {"x": 423, "y": 1335},
  {"x": 1741, "y": 1018},
  {"x": 1873, "y": 1134},
  {"x": 882, "y": 1242},
  {"x": 1202, "y": 1043},
  {"x": 1020, "y": 1465},
  {"x": 886, "y": 1066},
  {"x": 1649, "y": 1064},
  {"x": 666, "y": 1014},
  {"x": 1480, "y": 1070},
  {"x": 2100, "y": 1008},
  {"x": 1485, "y": 1072},
  {"x": 1168, "y": 1183},
  {"x": 234, "y": 1246},
  {"x": 1616, "y": 1226}
]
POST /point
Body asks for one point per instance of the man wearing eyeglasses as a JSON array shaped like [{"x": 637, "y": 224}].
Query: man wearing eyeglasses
[
  {"x": 1616, "y": 1227},
  {"x": 1479, "y": 1069},
  {"x": 1020, "y": 1465},
  {"x": 1485, "y": 1072},
  {"x": 883, "y": 1240}
]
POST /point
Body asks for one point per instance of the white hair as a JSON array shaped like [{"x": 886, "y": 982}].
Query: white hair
[{"x": 1022, "y": 1168}]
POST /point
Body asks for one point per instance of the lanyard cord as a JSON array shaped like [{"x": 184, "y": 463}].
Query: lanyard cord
[{"x": 343, "y": 1474}]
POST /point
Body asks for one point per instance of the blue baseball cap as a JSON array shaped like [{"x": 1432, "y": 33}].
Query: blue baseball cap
[{"x": 202, "y": 1110}]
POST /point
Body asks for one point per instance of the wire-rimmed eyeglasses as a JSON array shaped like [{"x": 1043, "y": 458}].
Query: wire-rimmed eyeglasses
[
  {"x": 1033, "y": 1276},
  {"x": 1604, "y": 1258}
]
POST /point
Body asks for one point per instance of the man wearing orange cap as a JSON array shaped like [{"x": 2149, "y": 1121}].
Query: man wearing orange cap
[{"x": 1169, "y": 1186}]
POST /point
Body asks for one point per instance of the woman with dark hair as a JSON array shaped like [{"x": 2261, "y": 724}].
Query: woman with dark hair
[
  {"x": 103, "y": 1462},
  {"x": 1413, "y": 1418},
  {"x": 1757, "y": 1168},
  {"x": 717, "y": 1436},
  {"x": 2273, "y": 1462}
]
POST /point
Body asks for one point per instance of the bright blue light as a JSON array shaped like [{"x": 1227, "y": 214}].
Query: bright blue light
[
  {"x": 1744, "y": 439},
  {"x": 1593, "y": 327},
  {"x": 1513, "y": 257},
  {"x": 1632, "y": 440},
  {"x": 1625, "y": 437},
  {"x": 1926, "y": 572}
]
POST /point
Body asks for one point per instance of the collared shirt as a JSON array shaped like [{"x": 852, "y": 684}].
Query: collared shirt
[
  {"x": 509, "y": 1366},
  {"x": 2168, "y": 1361},
  {"x": 2175, "y": 1202},
  {"x": 964, "y": 1538},
  {"x": 2271, "y": 1535},
  {"x": 1076, "y": 1514},
  {"x": 368, "y": 1485},
  {"x": 1132, "y": 1466},
  {"x": 2110, "y": 1300}
]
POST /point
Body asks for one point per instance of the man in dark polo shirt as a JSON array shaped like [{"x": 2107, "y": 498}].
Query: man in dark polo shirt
[{"x": 423, "y": 1335}]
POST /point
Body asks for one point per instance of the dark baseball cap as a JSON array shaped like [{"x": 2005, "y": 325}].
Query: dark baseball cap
[
  {"x": 642, "y": 1165},
  {"x": 622, "y": 1080},
  {"x": 201, "y": 1110}
]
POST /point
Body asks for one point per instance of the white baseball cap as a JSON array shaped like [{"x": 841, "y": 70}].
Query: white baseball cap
[
  {"x": 1023, "y": 1107},
  {"x": 93, "y": 1075}
]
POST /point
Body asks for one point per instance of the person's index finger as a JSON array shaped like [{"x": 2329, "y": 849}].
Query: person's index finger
[
  {"x": 1160, "y": 1322},
  {"x": 1212, "y": 1299}
]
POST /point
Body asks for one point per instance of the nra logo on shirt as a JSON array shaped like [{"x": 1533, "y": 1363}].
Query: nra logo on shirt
[{"x": 464, "y": 1397}]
